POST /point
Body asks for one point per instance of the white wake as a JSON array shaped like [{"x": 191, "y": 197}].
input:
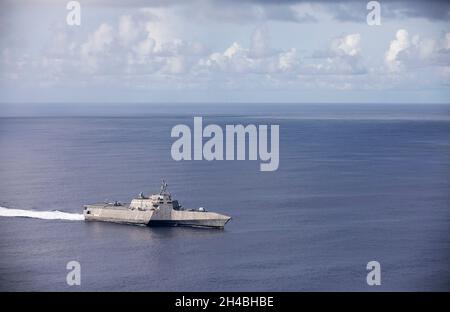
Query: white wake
[{"x": 46, "y": 215}]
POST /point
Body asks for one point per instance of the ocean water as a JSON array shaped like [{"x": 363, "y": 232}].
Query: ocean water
[{"x": 355, "y": 184}]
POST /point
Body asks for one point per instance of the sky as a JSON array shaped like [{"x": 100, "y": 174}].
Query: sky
[{"x": 224, "y": 51}]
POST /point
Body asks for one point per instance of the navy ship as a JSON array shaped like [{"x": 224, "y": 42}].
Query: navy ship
[{"x": 154, "y": 210}]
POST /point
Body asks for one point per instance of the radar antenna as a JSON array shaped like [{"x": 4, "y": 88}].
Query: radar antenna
[{"x": 164, "y": 186}]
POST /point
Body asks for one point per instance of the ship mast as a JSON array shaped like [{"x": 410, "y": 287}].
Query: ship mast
[{"x": 163, "y": 190}]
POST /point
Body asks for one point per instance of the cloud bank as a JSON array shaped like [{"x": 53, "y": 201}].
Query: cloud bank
[{"x": 168, "y": 45}]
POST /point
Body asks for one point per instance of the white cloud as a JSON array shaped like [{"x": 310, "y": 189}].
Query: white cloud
[
  {"x": 97, "y": 43},
  {"x": 347, "y": 45},
  {"x": 399, "y": 44},
  {"x": 99, "y": 40},
  {"x": 233, "y": 59},
  {"x": 128, "y": 29},
  {"x": 160, "y": 24},
  {"x": 144, "y": 48},
  {"x": 288, "y": 59},
  {"x": 405, "y": 52},
  {"x": 425, "y": 47},
  {"x": 259, "y": 59},
  {"x": 175, "y": 65},
  {"x": 233, "y": 50},
  {"x": 342, "y": 57}
]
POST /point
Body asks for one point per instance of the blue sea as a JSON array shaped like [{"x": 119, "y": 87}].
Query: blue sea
[{"x": 356, "y": 183}]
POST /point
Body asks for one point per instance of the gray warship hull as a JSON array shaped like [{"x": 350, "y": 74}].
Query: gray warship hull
[{"x": 154, "y": 217}]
